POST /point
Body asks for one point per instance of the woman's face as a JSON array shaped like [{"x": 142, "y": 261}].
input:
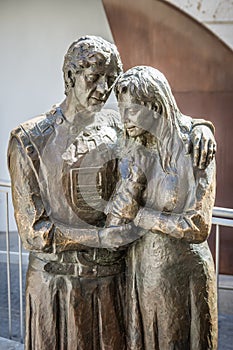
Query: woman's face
[{"x": 136, "y": 117}]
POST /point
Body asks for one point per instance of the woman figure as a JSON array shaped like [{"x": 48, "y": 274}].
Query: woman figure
[{"x": 171, "y": 287}]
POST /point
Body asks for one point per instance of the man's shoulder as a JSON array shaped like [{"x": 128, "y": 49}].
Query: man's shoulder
[
  {"x": 187, "y": 123},
  {"x": 36, "y": 127},
  {"x": 32, "y": 134}
]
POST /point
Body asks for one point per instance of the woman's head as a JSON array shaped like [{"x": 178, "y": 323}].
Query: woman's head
[
  {"x": 144, "y": 95},
  {"x": 149, "y": 110}
]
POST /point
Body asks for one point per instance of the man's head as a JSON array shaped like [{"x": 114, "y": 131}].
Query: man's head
[{"x": 90, "y": 68}]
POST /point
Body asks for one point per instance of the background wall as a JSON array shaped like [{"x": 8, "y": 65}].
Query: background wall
[
  {"x": 216, "y": 15},
  {"x": 34, "y": 36}
]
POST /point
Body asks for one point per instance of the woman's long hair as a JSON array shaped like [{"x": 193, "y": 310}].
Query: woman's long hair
[{"x": 149, "y": 86}]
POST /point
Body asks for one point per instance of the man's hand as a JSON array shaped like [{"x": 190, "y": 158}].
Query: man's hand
[{"x": 202, "y": 145}]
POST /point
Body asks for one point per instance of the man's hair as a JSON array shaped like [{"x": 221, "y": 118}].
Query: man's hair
[{"x": 84, "y": 51}]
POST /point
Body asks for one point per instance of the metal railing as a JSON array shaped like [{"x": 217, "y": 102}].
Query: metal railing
[
  {"x": 221, "y": 217},
  {"x": 5, "y": 189}
]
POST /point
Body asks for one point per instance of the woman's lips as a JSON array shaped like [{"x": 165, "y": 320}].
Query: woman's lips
[{"x": 130, "y": 127}]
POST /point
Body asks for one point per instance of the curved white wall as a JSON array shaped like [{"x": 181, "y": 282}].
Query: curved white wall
[{"x": 216, "y": 15}]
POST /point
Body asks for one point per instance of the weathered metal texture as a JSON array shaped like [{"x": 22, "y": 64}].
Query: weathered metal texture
[
  {"x": 199, "y": 68},
  {"x": 62, "y": 166}
]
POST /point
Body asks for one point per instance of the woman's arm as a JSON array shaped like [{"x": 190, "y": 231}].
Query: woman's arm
[
  {"x": 125, "y": 201},
  {"x": 192, "y": 225}
]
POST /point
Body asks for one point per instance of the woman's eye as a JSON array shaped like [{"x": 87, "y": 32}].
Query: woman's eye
[
  {"x": 134, "y": 109},
  {"x": 92, "y": 77}
]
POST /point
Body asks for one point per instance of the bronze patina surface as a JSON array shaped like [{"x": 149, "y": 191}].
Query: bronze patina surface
[{"x": 64, "y": 167}]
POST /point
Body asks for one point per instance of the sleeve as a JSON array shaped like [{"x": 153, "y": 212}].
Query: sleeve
[
  {"x": 34, "y": 226},
  {"x": 194, "y": 224},
  {"x": 125, "y": 201},
  {"x": 203, "y": 122},
  {"x": 123, "y": 207}
]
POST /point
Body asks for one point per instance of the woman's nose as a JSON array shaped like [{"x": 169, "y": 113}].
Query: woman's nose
[
  {"x": 130, "y": 118},
  {"x": 126, "y": 117}
]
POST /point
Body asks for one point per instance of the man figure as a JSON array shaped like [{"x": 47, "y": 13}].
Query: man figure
[
  {"x": 74, "y": 293},
  {"x": 63, "y": 172}
]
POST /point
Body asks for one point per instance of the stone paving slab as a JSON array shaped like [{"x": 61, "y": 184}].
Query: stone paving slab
[{"x": 6, "y": 344}]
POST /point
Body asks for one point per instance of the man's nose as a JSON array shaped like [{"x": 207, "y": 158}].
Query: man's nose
[{"x": 102, "y": 86}]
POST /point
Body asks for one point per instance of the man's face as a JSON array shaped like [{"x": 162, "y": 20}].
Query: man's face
[{"x": 93, "y": 85}]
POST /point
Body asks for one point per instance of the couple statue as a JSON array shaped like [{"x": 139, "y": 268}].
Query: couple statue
[{"x": 115, "y": 210}]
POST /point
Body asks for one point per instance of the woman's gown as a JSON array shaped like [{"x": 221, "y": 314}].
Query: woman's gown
[{"x": 170, "y": 277}]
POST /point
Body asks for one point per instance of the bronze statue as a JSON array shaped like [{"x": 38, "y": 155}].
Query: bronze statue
[
  {"x": 170, "y": 280},
  {"x": 63, "y": 167}
]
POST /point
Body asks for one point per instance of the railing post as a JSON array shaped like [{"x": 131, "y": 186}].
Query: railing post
[
  {"x": 20, "y": 290},
  {"x": 8, "y": 267},
  {"x": 217, "y": 246}
]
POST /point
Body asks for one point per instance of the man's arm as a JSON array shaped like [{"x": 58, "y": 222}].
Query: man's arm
[
  {"x": 34, "y": 226},
  {"x": 37, "y": 231}
]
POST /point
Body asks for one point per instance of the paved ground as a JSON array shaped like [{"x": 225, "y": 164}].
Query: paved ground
[
  {"x": 225, "y": 306},
  {"x": 6, "y": 344}
]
